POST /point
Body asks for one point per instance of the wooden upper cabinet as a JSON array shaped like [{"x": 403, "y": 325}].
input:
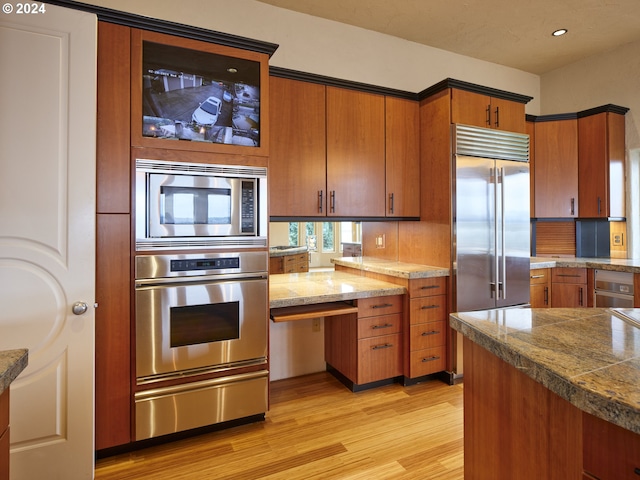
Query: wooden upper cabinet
[
  {"x": 355, "y": 153},
  {"x": 402, "y": 157},
  {"x": 113, "y": 174},
  {"x": 479, "y": 110},
  {"x": 556, "y": 169},
  {"x": 297, "y": 164},
  {"x": 530, "y": 127},
  {"x": 173, "y": 77},
  {"x": 601, "y": 171}
]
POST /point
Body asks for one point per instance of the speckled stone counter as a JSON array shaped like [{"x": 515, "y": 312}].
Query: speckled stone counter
[
  {"x": 291, "y": 289},
  {"x": 391, "y": 268},
  {"x": 283, "y": 252},
  {"x": 589, "y": 357},
  {"x": 614, "y": 264},
  {"x": 12, "y": 362}
]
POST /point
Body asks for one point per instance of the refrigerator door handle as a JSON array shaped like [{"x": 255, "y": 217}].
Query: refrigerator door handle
[
  {"x": 503, "y": 225},
  {"x": 496, "y": 259}
]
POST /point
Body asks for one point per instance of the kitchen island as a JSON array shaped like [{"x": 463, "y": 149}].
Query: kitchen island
[
  {"x": 12, "y": 362},
  {"x": 550, "y": 393}
]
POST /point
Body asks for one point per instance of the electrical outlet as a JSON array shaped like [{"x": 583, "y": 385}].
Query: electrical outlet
[
  {"x": 617, "y": 239},
  {"x": 380, "y": 241},
  {"x": 315, "y": 325}
]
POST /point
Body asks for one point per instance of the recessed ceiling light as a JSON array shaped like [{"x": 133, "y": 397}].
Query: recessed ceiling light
[
  {"x": 232, "y": 70},
  {"x": 560, "y": 32}
]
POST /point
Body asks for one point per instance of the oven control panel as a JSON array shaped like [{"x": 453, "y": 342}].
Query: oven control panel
[{"x": 222, "y": 263}]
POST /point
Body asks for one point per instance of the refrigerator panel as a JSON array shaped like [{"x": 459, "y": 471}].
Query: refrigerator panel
[
  {"x": 474, "y": 233},
  {"x": 514, "y": 237}
]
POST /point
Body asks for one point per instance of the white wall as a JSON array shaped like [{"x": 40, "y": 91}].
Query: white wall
[{"x": 323, "y": 47}]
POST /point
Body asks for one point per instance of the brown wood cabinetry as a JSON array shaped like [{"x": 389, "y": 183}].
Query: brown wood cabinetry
[
  {"x": 531, "y": 130},
  {"x": 569, "y": 287},
  {"x": 601, "y": 165},
  {"x": 298, "y": 159},
  {"x": 367, "y": 347},
  {"x": 296, "y": 263},
  {"x": 340, "y": 152},
  {"x": 470, "y": 108},
  {"x": 355, "y": 153},
  {"x": 540, "y": 288},
  {"x": 427, "y": 337},
  {"x": 4, "y": 435},
  {"x": 402, "y": 147},
  {"x": 610, "y": 452},
  {"x": 556, "y": 169}
]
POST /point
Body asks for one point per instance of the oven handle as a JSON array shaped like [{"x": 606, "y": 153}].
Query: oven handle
[{"x": 195, "y": 280}]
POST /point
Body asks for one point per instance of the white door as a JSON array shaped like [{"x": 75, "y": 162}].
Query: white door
[{"x": 47, "y": 236}]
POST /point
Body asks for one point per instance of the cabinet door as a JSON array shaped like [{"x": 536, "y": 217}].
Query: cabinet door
[
  {"x": 355, "y": 153},
  {"x": 530, "y": 129},
  {"x": 569, "y": 295},
  {"x": 539, "y": 295},
  {"x": 556, "y": 170},
  {"x": 507, "y": 115},
  {"x": 470, "y": 108},
  {"x": 601, "y": 165},
  {"x": 379, "y": 358},
  {"x": 297, "y": 164},
  {"x": 402, "y": 157}
]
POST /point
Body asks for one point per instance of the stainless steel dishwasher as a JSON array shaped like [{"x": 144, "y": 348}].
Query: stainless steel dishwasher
[{"x": 613, "y": 289}]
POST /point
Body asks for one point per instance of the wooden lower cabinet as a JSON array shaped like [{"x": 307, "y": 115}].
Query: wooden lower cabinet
[
  {"x": 569, "y": 286},
  {"x": 540, "y": 288},
  {"x": 427, "y": 326},
  {"x": 289, "y": 263},
  {"x": 367, "y": 347},
  {"x": 4, "y": 435}
]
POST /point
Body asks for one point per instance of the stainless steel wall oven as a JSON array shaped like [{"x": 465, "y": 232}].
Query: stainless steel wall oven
[{"x": 201, "y": 319}]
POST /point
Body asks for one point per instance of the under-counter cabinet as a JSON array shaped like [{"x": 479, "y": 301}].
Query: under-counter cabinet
[
  {"x": 540, "y": 288},
  {"x": 470, "y": 108},
  {"x": 296, "y": 263},
  {"x": 427, "y": 326},
  {"x": 569, "y": 287},
  {"x": 601, "y": 164},
  {"x": 366, "y": 347},
  {"x": 556, "y": 168},
  {"x": 4, "y": 435}
]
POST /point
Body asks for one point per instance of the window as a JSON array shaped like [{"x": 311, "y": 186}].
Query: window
[{"x": 323, "y": 237}]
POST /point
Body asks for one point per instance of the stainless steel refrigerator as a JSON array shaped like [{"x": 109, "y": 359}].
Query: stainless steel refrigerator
[{"x": 491, "y": 224}]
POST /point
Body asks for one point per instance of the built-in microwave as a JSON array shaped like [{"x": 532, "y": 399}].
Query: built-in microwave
[{"x": 193, "y": 205}]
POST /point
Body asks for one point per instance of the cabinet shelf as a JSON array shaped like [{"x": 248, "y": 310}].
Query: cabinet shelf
[{"x": 303, "y": 312}]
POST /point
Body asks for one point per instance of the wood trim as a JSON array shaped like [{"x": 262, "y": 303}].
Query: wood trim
[
  {"x": 171, "y": 28},
  {"x": 302, "y": 312},
  {"x": 472, "y": 87}
]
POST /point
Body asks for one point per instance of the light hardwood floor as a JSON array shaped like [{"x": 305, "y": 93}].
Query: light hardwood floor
[{"x": 318, "y": 429}]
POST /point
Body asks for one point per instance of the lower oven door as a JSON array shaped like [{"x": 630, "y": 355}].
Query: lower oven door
[{"x": 198, "y": 327}]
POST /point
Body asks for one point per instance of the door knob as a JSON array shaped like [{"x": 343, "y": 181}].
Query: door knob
[{"x": 79, "y": 308}]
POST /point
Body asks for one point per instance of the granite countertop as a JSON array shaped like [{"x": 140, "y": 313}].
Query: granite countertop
[
  {"x": 590, "y": 357},
  {"x": 615, "y": 264},
  {"x": 391, "y": 268},
  {"x": 285, "y": 250},
  {"x": 291, "y": 289},
  {"x": 12, "y": 362}
]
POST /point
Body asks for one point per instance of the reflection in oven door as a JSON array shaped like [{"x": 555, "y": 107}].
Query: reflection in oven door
[{"x": 194, "y": 327}]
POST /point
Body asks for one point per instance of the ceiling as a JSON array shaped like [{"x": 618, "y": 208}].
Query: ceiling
[{"x": 515, "y": 33}]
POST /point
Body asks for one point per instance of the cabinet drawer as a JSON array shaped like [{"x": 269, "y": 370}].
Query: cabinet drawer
[
  {"x": 368, "y": 307},
  {"x": 429, "y": 360},
  {"x": 539, "y": 276},
  {"x": 427, "y": 335},
  {"x": 428, "y": 309},
  {"x": 424, "y": 287},
  {"x": 569, "y": 275},
  {"x": 379, "y": 358},
  {"x": 382, "y": 325}
]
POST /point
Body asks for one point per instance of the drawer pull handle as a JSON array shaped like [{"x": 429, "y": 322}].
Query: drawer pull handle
[
  {"x": 432, "y": 332},
  {"x": 430, "y": 359},
  {"x": 537, "y": 276},
  {"x": 383, "y": 305},
  {"x": 636, "y": 470},
  {"x": 380, "y": 347},
  {"x": 567, "y": 275},
  {"x": 386, "y": 325},
  {"x": 428, "y": 287},
  {"x": 427, "y": 307}
]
